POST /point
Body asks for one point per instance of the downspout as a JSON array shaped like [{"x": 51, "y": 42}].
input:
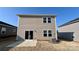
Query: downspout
[
  {"x": 55, "y": 30},
  {"x": 17, "y": 38}
]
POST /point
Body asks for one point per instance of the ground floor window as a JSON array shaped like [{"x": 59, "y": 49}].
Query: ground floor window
[{"x": 47, "y": 33}]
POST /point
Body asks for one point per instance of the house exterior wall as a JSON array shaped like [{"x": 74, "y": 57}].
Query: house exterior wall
[
  {"x": 73, "y": 28},
  {"x": 9, "y": 31},
  {"x": 36, "y": 24}
]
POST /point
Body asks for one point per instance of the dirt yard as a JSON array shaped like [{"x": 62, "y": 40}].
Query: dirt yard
[
  {"x": 48, "y": 46},
  {"x": 42, "y": 46}
]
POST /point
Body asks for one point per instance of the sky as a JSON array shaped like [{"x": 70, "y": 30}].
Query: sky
[{"x": 63, "y": 14}]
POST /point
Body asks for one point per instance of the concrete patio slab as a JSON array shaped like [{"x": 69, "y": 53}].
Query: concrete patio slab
[{"x": 26, "y": 43}]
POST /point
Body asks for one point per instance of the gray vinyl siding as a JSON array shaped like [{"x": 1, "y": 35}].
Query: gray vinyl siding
[
  {"x": 9, "y": 31},
  {"x": 74, "y": 28}
]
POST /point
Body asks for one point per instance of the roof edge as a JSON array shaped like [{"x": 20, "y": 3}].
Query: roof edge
[
  {"x": 70, "y": 22},
  {"x": 36, "y": 15},
  {"x": 8, "y": 24}
]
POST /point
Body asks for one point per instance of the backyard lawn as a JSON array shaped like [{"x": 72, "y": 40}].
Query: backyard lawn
[{"x": 41, "y": 46}]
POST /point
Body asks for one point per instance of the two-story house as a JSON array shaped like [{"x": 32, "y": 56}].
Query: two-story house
[{"x": 37, "y": 27}]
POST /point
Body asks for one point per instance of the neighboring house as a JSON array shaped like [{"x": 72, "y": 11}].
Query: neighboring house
[
  {"x": 7, "y": 29},
  {"x": 70, "y": 30},
  {"x": 37, "y": 27}
]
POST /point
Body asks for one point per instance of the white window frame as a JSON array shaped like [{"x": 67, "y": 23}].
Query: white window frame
[
  {"x": 47, "y": 32},
  {"x": 46, "y": 19}
]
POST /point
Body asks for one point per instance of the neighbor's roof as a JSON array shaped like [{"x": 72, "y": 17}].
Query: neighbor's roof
[
  {"x": 36, "y": 15},
  {"x": 3, "y": 23},
  {"x": 70, "y": 22}
]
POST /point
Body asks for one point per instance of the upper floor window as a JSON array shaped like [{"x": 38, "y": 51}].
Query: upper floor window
[
  {"x": 47, "y": 19},
  {"x": 44, "y": 20}
]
